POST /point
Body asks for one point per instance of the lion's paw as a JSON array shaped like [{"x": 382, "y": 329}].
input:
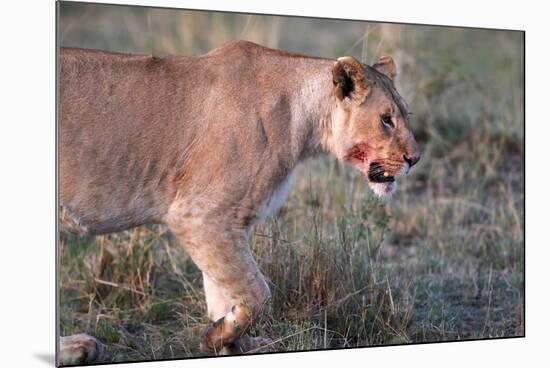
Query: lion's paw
[
  {"x": 79, "y": 349},
  {"x": 247, "y": 344}
]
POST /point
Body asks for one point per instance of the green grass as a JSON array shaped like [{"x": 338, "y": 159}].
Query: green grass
[{"x": 443, "y": 260}]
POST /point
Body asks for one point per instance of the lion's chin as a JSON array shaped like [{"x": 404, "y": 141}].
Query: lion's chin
[{"x": 383, "y": 189}]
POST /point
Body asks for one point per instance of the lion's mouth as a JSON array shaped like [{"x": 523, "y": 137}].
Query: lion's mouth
[
  {"x": 379, "y": 179},
  {"x": 377, "y": 174}
]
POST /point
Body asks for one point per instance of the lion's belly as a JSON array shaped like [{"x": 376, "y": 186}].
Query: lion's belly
[{"x": 273, "y": 204}]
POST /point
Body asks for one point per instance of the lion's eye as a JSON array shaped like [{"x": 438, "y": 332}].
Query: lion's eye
[{"x": 387, "y": 121}]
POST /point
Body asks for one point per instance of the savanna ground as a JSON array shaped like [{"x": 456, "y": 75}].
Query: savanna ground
[{"x": 443, "y": 260}]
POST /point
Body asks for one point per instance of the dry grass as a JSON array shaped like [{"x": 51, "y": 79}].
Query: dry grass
[{"x": 442, "y": 260}]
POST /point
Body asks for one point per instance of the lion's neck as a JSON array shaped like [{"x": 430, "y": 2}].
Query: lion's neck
[{"x": 311, "y": 125}]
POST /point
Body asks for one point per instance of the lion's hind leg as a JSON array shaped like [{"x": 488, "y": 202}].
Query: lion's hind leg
[{"x": 79, "y": 349}]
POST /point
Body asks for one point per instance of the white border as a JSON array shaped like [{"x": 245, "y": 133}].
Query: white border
[{"x": 27, "y": 184}]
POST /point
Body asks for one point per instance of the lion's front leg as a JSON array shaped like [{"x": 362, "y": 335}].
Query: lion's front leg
[
  {"x": 236, "y": 291},
  {"x": 223, "y": 308}
]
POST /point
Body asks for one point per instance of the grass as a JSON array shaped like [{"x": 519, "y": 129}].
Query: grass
[{"x": 443, "y": 260}]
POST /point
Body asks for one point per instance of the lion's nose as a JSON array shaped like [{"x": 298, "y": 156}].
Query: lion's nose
[{"x": 411, "y": 160}]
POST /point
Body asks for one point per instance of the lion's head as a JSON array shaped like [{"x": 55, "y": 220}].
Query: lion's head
[{"x": 370, "y": 123}]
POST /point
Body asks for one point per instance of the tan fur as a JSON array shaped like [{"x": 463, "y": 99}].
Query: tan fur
[
  {"x": 79, "y": 349},
  {"x": 203, "y": 144}
]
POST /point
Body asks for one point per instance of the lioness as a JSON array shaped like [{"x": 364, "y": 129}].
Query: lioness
[{"x": 207, "y": 145}]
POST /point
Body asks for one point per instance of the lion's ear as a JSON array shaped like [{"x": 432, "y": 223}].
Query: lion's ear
[
  {"x": 350, "y": 83},
  {"x": 386, "y": 66}
]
